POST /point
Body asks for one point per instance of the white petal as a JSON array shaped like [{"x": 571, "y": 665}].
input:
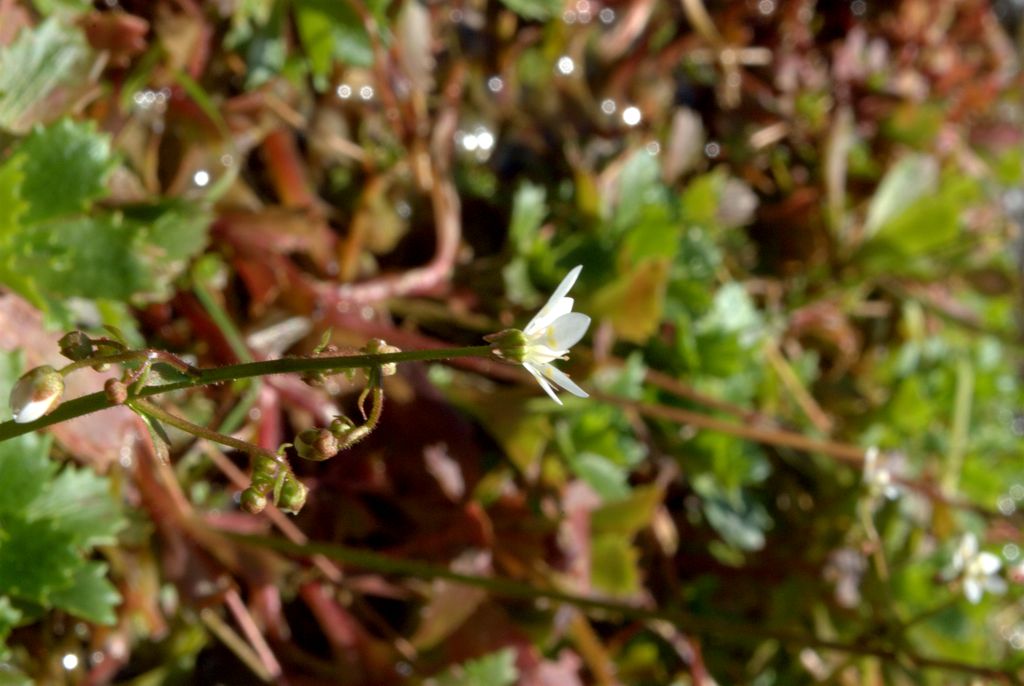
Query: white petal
[
  {"x": 539, "y": 354},
  {"x": 968, "y": 546},
  {"x": 542, "y": 381},
  {"x": 972, "y": 589},
  {"x": 548, "y": 314},
  {"x": 563, "y": 380},
  {"x": 32, "y": 411},
  {"x": 567, "y": 330},
  {"x": 567, "y": 283},
  {"x": 989, "y": 563},
  {"x": 556, "y": 305}
]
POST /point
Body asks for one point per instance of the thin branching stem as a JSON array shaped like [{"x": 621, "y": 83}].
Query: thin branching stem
[{"x": 204, "y": 377}]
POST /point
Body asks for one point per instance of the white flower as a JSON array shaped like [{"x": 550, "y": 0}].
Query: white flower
[
  {"x": 36, "y": 393},
  {"x": 547, "y": 338},
  {"x": 877, "y": 477},
  {"x": 977, "y": 569}
]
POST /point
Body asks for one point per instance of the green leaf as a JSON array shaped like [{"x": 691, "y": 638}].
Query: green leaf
[
  {"x": 79, "y": 503},
  {"x": 529, "y": 207},
  {"x": 639, "y": 187},
  {"x": 495, "y": 669},
  {"x": 41, "y": 59},
  {"x": 9, "y": 618},
  {"x": 12, "y": 208},
  {"x": 740, "y": 522},
  {"x": 613, "y": 564},
  {"x": 608, "y": 479},
  {"x": 332, "y": 30},
  {"x": 66, "y": 167},
  {"x": 627, "y": 516},
  {"x": 90, "y": 596},
  {"x": 908, "y": 180},
  {"x": 534, "y": 9},
  {"x": 36, "y": 558},
  {"x": 927, "y": 225},
  {"x": 123, "y": 255},
  {"x": 633, "y": 302},
  {"x": 25, "y": 469},
  {"x": 12, "y": 676},
  {"x": 52, "y": 6}
]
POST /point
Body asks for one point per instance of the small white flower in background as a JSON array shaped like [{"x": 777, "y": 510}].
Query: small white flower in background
[
  {"x": 548, "y": 337},
  {"x": 978, "y": 570},
  {"x": 36, "y": 393},
  {"x": 878, "y": 477}
]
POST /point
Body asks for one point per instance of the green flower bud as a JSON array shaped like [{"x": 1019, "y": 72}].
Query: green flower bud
[
  {"x": 341, "y": 426},
  {"x": 38, "y": 392},
  {"x": 377, "y": 346},
  {"x": 253, "y": 501},
  {"x": 293, "y": 495},
  {"x": 510, "y": 344},
  {"x": 316, "y": 444},
  {"x": 116, "y": 391},
  {"x": 76, "y": 346}
]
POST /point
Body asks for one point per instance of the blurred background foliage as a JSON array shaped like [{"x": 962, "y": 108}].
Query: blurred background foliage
[{"x": 800, "y": 230}]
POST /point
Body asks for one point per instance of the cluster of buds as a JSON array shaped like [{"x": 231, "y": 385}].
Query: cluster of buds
[
  {"x": 323, "y": 444},
  {"x": 272, "y": 481}
]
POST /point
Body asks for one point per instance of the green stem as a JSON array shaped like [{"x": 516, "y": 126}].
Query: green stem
[
  {"x": 167, "y": 358},
  {"x": 203, "y": 377},
  {"x": 162, "y": 415}
]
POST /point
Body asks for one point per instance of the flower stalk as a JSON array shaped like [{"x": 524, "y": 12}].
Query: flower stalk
[{"x": 203, "y": 377}]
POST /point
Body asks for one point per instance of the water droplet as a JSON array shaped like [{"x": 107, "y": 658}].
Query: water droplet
[
  {"x": 201, "y": 178},
  {"x": 1011, "y": 552},
  {"x": 344, "y": 91},
  {"x": 366, "y": 92},
  {"x": 70, "y": 661},
  {"x": 608, "y": 106},
  {"x": 712, "y": 150},
  {"x": 484, "y": 139},
  {"x": 1017, "y": 491},
  {"x": 566, "y": 65},
  {"x": 495, "y": 84},
  {"x": 631, "y": 116},
  {"x": 653, "y": 148},
  {"x": 606, "y": 15},
  {"x": 1006, "y": 505},
  {"x": 859, "y": 7},
  {"x": 766, "y": 7}
]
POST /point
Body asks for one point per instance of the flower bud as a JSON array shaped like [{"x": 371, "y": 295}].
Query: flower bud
[
  {"x": 76, "y": 346},
  {"x": 293, "y": 495},
  {"x": 510, "y": 345},
  {"x": 377, "y": 346},
  {"x": 36, "y": 393},
  {"x": 264, "y": 474},
  {"x": 341, "y": 427},
  {"x": 316, "y": 444},
  {"x": 116, "y": 391},
  {"x": 253, "y": 501}
]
